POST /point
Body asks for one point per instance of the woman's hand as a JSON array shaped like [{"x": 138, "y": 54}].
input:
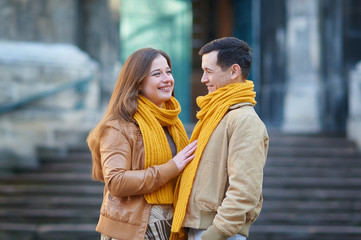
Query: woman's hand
[{"x": 185, "y": 156}]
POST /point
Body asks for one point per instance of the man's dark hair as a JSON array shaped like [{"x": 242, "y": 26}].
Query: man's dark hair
[{"x": 231, "y": 51}]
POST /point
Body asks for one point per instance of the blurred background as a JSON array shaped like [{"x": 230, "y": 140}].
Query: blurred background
[{"x": 59, "y": 61}]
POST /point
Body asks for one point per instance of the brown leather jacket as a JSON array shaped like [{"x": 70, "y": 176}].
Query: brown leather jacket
[{"x": 124, "y": 212}]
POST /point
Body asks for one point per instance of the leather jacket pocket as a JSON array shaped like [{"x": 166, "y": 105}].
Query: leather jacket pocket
[{"x": 124, "y": 209}]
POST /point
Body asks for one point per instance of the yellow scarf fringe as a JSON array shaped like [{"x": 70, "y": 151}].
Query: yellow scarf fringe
[
  {"x": 151, "y": 119},
  {"x": 213, "y": 107}
]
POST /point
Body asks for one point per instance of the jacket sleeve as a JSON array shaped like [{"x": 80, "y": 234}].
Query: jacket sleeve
[
  {"x": 248, "y": 143},
  {"x": 116, "y": 153}
]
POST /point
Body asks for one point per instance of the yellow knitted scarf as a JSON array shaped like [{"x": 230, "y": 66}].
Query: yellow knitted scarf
[
  {"x": 151, "y": 119},
  {"x": 212, "y": 109}
]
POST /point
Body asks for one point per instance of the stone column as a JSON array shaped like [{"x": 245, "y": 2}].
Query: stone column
[
  {"x": 354, "y": 118},
  {"x": 301, "y": 110}
]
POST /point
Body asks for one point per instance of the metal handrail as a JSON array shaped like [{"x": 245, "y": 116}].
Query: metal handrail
[{"x": 8, "y": 107}]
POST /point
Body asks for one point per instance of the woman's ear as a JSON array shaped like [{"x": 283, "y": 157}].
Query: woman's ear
[{"x": 236, "y": 71}]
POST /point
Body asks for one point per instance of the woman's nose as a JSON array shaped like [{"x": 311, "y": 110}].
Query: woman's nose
[{"x": 167, "y": 77}]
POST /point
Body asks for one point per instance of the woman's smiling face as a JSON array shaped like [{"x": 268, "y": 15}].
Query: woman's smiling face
[{"x": 159, "y": 84}]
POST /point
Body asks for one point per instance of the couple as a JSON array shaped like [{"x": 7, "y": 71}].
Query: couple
[{"x": 140, "y": 148}]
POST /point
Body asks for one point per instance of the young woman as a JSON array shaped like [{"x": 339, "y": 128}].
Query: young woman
[{"x": 138, "y": 150}]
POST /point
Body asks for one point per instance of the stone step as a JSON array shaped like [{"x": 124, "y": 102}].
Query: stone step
[
  {"x": 306, "y": 182},
  {"x": 282, "y": 194},
  {"x": 310, "y": 218},
  {"x": 48, "y": 215},
  {"x": 307, "y": 151},
  {"x": 274, "y": 180},
  {"x": 316, "y": 206},
  {"x": 50, "y": 178},
  {"x": 78, "y": 148},
  {"x": 57, "y": 202},
  {"x": 283, "y": 140},
  {"x": 291, "y": 142},
  {"x": 85, "y": 202},
  {"x": 289, "y": 171},
  {"x": 310, "y": 141},
  {"x": 269, "y": 232},
  {"x": 275, "y": 140},
  {"x": 46, "y": 190},
  {"x": 303, "y": 232},
  {"x": 64, "y": 167},
  {"x": 31, "y": 231},
  {"x": 296, "y": 161},
  {"x": 52, "y": 157}
]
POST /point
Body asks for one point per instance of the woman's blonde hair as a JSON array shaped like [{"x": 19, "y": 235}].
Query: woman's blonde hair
[{"x": 124, "y": 100}]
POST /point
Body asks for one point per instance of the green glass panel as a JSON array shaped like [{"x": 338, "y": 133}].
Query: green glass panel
[
  {"x": 165, "y": 25},
  {"x": 242, "y": 20}
]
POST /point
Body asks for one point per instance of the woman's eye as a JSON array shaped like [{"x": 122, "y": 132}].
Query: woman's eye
[
  {"x": 156, "y": 74},
  {"x": 169, "y": 72}
]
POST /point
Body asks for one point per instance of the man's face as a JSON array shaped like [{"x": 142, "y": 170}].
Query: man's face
[{"x": 213, "y": 76}]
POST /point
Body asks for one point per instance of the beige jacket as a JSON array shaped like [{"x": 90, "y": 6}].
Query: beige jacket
[
  {"x": 124, "y": 212},
  {"x": 226, "y": 197}
]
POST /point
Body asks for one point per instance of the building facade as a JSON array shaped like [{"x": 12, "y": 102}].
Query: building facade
[{"x": 306, "y": 53}]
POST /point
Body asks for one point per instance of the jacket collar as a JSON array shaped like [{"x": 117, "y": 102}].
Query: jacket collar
[{"x": 239, "y": 105}]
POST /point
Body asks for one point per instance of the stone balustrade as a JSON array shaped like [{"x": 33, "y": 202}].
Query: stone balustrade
[{"x": 46, "y": 90}]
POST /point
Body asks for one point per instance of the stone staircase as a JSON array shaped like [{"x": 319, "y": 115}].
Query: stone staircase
[
  {"x": 58, "y": 201},
  {"x": 311, "y": 191}
]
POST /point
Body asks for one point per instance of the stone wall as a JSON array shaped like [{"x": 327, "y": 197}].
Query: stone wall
[
  {"x": 58, "y": 65},
  {"x": 91, "y": 25},
  {"x": 39, "y": 20}
]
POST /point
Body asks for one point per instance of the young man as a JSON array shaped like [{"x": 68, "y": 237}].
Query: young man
[{"x": 219, "y": 194}]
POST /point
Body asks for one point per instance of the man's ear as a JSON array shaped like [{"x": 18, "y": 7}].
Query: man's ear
[{"x": 236, "y": 71}]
